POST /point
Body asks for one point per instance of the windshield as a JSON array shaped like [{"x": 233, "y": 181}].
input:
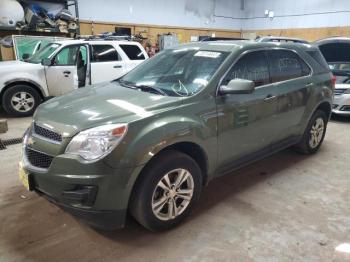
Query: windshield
[
  {"x": 182, "y": 72},
  {"x": 46, "y": 52}
]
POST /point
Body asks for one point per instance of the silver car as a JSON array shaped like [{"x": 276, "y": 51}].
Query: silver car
[
  {"x": 341, "y": 102},
  {"x": 336, "y": 51}
]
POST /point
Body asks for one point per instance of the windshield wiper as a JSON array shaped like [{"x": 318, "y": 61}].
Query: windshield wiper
[
  {"x": 151, "y": 88},
  {"x": 142, "y": 87}
]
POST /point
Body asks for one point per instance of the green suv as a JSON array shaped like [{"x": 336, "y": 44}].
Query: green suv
[{"x": 148, "y": 142}]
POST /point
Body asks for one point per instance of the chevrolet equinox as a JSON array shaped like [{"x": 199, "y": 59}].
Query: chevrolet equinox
[{"x": 149, "y": 141}]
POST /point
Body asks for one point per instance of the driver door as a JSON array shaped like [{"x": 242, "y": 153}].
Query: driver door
[
  {"x": 62, "y": 76},
  {"x": 246, "y": 122}
]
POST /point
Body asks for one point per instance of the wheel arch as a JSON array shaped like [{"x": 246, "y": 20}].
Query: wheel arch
[
  {"x": 32, "y": 84},
  {"x": 325, "y": 107},
  {"x": 191, "y": 149}
]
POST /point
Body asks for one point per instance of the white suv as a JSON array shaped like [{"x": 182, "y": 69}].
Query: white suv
[{"x": 61, "y": 67}]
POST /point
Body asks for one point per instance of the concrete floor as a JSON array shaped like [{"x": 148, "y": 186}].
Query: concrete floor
[{"x": 285, "y": 208}]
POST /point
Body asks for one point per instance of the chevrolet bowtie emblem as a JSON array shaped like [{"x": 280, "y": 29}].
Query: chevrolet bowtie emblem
[{"x": 30, "y": 141}]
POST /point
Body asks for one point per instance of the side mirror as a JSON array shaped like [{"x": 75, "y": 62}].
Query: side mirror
[
  {"x": 46, "y": 62},
  {"x": 238, "y": 86},
  {"x": 25, "y": 57}
]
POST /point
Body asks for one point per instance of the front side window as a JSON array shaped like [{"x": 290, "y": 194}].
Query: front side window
[
  {"x": 45, "y": 52},
  {"x": 104, "y": 53},
  {"x": 67, "y": 56},
  {"x": 285, "y": 65},
  {"x": 182, "y": 72},
  {"x": 133, "y": 52},
  {"x": 252, "y": 66}
]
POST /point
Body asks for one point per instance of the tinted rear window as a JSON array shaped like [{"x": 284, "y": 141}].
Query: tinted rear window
[
  {"x": 133, "y": 52},
  {"x": 318, "y": 57},
  {"x": 285, "y": 65}
]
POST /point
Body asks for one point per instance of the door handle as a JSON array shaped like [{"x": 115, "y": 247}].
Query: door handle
[
  {"x": 66, "y": 72},
  {"x": 117, "y": 66},
  {"x": 270, "y": 97}
]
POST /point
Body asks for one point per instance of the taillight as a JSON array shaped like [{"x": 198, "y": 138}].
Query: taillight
[{"x": 334, "y": 80}]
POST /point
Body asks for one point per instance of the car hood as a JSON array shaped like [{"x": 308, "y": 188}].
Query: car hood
[
  {"x": 15, "y": 65},
  {"x": 98, "y": 105}
]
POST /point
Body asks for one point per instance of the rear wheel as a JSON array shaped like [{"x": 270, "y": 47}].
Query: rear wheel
[
  {"x": 167, "y": 191},
  {"x": 20, "y": 100},
  {"x": 314, "y": 134}
]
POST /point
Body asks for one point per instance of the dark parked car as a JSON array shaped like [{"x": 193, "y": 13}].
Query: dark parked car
[{"x": 148, "y": 142}]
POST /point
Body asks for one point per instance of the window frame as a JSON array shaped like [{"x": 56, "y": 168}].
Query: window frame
[
  {"x": 262, "y": 49},
  {"x": 300, "y": 60},
  {"x": 120, "y": 58},
  {"x": 241, "y": 57},
  {"x": 127, "y": 56},
  {"x": 65, "y": 46}
]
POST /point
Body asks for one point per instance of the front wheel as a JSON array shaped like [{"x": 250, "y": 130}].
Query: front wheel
[
  {"x": 314, "y": 134},
  {"x": 167, "y": 191},
  {"x": 20, "y": 100}
]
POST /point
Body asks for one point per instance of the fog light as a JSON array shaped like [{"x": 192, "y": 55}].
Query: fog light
[{"x": 84, "y": 195}]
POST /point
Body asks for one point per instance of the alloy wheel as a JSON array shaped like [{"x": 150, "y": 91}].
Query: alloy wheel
[
  {"x": 22, "y": 102},
  {"x": 172, "y": 194},
  {"x": 316, "y": 132}
]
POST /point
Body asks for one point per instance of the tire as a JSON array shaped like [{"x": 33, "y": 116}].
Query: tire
[
  {"x": 313, "y": 138},
  {"x": 148, "y": 193},
  {"x": 20, "y": 100}
]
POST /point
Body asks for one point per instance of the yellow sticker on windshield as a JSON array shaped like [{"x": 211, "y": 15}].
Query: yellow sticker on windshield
[{"x": 208, "y": 54}]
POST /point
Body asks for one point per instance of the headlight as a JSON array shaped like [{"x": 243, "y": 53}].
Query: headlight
[
  {"x": 25, "y": 137},
  {"x": 95, "y": 143}
]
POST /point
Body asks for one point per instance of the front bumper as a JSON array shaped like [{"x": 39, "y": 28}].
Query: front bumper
[
  {"x": 93, "y": 192},
  {"x": 105, "y": 220},
  {"x": 341, "y": 104}
]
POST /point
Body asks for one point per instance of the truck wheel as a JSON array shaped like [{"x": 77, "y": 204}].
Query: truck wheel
[
  {"x": 167, "y": 191},
  {"x": 314, "y": 134},
  {"x": 20, "y": 100}
]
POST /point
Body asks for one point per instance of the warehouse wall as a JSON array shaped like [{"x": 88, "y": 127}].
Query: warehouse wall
[
  {"x": 182, "y": 13},
  {"x": 296, "y": 14},
  {"x": 151, "y": 32}
]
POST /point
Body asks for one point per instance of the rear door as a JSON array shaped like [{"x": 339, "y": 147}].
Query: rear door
[
  {"x": 246, "y": 122},
  {"x": 291, "y": 77},
  {"x": 106, "y": 63}
]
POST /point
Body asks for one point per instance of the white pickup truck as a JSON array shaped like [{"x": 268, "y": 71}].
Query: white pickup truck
[{"x": 61, "y": 67}]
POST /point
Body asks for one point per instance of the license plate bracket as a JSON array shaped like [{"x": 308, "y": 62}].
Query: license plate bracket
[{"x": 25, "y": 178}]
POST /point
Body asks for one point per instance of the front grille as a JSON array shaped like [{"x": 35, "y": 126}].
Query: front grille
[
  {"x": 339, "y": 91},
  {"x": 44, "y": 132},
  {"x": 38, "y": 159}
]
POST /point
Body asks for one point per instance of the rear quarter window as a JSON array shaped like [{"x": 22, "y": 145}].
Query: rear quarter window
[
  {"x": 285, "y": 65},
  {"x": 133, "y": 52},
  {"x": 323, "y": 67}
]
